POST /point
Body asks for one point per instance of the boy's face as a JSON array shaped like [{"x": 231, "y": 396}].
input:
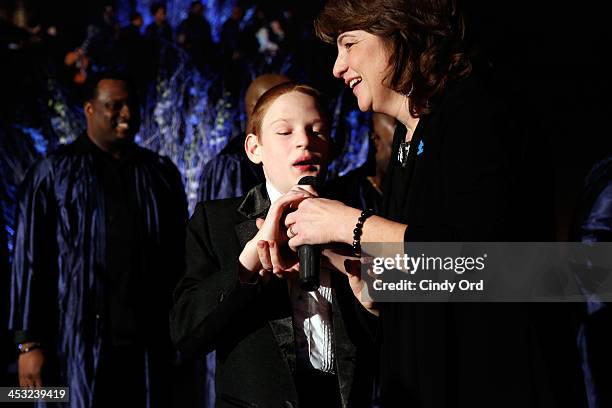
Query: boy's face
[{"x": 294, "y": 141}]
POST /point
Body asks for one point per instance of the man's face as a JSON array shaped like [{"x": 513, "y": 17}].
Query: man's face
[
  {"x": 237, "y": 13},
  {"x": 112, "y": 118},
  {"x": 160, "y": 16},
  {"x": 198, "y": 9},
  {"x": 109, "y": 13}
]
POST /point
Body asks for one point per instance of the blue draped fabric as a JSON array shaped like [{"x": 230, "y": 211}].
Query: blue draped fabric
[
  {"x": 223, "y": 177},
  {"x": 57, "y": 284},
  {"x": 594, "y": 224}
]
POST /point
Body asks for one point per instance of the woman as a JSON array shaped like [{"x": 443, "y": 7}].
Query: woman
[{"x": 448, "y": 180}]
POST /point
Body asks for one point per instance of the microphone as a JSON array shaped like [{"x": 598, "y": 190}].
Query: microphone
[{"x": 310, "y": 255}]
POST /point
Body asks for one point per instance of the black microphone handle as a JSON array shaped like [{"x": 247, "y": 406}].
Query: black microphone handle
[
  {"x": 309, "y": 255},
  {"x": 310, "y": 263}
]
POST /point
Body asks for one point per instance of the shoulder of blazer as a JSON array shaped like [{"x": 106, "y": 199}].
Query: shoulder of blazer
[{"x": 250, "y": 206}]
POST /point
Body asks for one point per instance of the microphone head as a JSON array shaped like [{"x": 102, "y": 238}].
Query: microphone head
[{"x": 315, "y": 182}]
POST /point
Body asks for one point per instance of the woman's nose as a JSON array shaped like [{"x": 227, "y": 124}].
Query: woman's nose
[{"x": 340, "y": 65}]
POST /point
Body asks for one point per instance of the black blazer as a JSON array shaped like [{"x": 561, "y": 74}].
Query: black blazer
[
  {"x": 458, "y": 187},
  {"x": 250, "y": 325}
]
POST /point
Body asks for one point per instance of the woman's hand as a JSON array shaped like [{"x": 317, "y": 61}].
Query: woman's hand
[
  {"x": 351, "y": 267},
  {"x": 321, "y": 221}
]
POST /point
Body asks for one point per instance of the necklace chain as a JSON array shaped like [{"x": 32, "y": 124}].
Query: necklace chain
[{"x": 404, "y": 148}]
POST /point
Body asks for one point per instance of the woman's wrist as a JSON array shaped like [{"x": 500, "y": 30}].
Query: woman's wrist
[
  {"x": 358, "y": 231},
  {"x": 348, "y": 225}
]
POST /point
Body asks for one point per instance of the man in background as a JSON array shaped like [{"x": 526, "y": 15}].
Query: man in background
[
  {"x": 99, "y": 234},
  {"x": 194, "y": 36},
  {"x": 363, "y": 187},
  {"x": 593, "y": 224}
]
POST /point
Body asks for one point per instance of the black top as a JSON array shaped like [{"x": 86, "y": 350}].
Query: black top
[
  {"x": 124, "y": 254},
  {"x": 397, "y": 184},
  {"x": 456, "y": 187}
]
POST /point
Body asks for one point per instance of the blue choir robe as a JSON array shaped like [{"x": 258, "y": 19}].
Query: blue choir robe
[
  {"x": 58, "y": 290},
  {"x": 592, "y": 224}
]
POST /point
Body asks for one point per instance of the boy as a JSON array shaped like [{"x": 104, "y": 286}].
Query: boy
[{"x": 276, "y": 345}]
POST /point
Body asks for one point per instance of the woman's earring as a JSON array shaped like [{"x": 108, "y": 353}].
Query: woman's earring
[{"x": 410, "y": 92}]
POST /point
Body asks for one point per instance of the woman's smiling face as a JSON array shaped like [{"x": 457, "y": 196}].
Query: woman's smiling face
[{"x": 363, "y": 64}]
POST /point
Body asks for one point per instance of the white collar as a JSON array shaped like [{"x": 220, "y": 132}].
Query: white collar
[{"x": 273, "y": 193}]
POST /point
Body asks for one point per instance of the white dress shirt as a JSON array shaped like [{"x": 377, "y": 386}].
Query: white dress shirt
[{"x": 312, "y": 317}]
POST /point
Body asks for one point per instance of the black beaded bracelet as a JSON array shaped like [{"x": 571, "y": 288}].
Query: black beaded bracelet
[{"x": 359, "y": 230}]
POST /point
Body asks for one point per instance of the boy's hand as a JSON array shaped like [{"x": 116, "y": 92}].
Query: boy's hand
[
  {"x": 267, "y": 252},
  {"x": 283, "y": 264}
]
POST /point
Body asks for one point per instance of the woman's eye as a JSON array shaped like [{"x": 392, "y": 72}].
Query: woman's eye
[
  {"x": 284, "y": 133},
  {"x": 348, "y": 45}
]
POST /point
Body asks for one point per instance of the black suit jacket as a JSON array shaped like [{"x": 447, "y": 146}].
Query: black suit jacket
[
  {"x": 457, "y": 187},
  {"x": 250, "y": 325}
]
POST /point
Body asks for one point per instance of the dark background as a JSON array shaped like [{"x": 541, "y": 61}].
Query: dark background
[{"x": 548, "y": 63}]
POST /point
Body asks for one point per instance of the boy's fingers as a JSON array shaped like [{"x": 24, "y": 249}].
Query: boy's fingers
[
  {"x": 305, "y": 189},
  {"x": 263, "y": 251},
  {"x": 292, "y": 199},
  {"x": 277, "y": 263}
]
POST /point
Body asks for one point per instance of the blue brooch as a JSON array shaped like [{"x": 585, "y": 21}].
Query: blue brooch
[{"x": 420, "y": 148}]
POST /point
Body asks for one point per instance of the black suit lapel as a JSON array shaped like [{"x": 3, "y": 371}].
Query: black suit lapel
[
  {"x": 255, "y": 205},
  {"x": 283, "y": 333},
  {"x": 245, "y": 231}
]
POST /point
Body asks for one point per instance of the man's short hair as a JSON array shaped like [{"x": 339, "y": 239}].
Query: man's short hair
[
  {"x": 134, "y": 15},
  {"x": 156, "y": 6},
  {"x": 90, "y": 92}
]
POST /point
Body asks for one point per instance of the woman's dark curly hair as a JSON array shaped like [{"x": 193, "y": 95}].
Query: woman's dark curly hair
[{"x": 424, "y": 39}]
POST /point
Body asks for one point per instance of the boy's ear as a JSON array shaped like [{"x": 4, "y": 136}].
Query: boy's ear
[{"x": 253, "y": 148}]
